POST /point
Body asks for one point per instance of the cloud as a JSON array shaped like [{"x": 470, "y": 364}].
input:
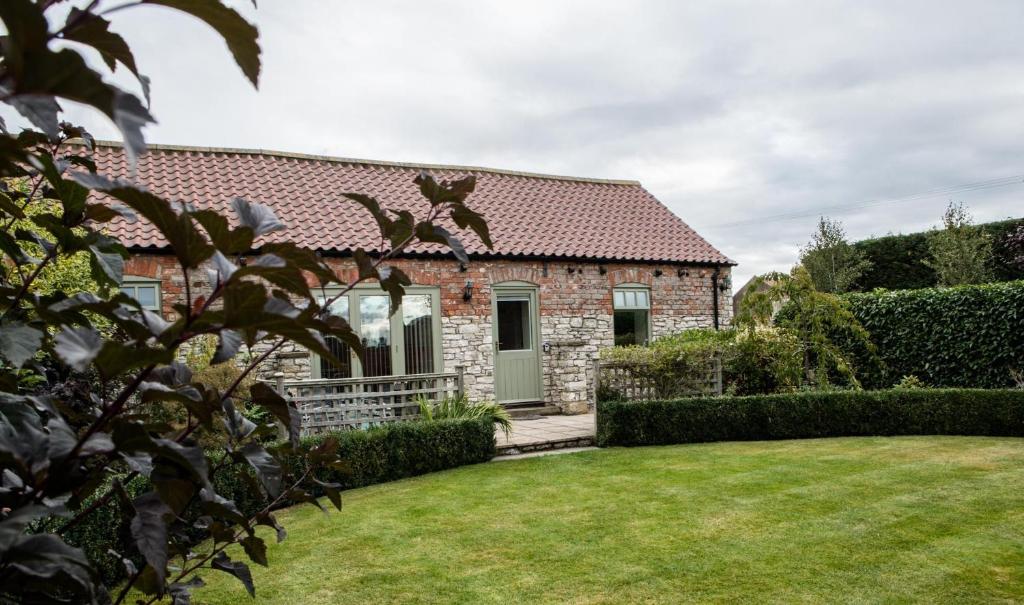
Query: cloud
[{"x": 728, "y": 111}]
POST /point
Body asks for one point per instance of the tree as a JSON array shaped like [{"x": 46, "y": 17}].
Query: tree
[
  {"x": 66, "y": 453},
  {"x": 960, "y": 252},
  {"x": 832, "y": 263},
  {"x": 1014, "y": 244},
  {"x": 833, "y": 340}
]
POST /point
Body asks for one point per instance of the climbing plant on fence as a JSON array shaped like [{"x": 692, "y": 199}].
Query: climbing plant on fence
[{"x": 967, "y": 336}]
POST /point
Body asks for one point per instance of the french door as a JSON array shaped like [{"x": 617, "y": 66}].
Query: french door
[{"x": 407, "y": 342}]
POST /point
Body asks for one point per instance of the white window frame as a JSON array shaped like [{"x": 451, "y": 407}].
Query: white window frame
[
  {"x": 132, "y": 282},
  {"x": 397, "y": 328}
]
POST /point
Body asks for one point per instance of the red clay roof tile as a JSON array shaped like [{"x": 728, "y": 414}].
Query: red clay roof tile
[{"x": 528, "y": 214}]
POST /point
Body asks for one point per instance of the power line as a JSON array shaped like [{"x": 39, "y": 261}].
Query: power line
[{"x": 963, "y": 188}]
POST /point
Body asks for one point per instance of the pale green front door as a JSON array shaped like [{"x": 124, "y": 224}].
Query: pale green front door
[{"x": 517, "y": 377}]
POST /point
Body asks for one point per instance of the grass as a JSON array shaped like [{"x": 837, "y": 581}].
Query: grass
[{"x": 858, "y": 520}]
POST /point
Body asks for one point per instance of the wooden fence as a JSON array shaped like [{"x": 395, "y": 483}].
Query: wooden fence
[
  {"x": 356, "y": 403},
  {"x": 635, "y": 382}
]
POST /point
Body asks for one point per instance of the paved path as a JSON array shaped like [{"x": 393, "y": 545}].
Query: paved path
[{"x": 548, "y": 432}]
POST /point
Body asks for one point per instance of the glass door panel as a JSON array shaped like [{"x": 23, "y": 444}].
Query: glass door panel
[
  {"x": 340, "y": 349},
  {"x": 375, "y": 333},
  {"x": 514, "y": 324},
  {"x": 418, "y": 333}
]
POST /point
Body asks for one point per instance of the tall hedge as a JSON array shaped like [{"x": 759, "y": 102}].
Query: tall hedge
[
  {"x": 812, "y": 414},
  {"x": 898, "y": 260},
  {"x": 965, "y": 336}
]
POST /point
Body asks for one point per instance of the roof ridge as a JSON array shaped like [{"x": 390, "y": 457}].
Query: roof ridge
[{"x": 365, "y": 162}]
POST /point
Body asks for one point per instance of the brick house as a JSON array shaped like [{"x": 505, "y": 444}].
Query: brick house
[{"x": 578, "y": 265}]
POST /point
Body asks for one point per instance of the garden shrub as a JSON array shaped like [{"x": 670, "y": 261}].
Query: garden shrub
[
  {"x": 405, "y": 449},
  {"x": 966, "y": 336},
  {"x": 761, "y": 360},
  {"x": 671, "y": 366},
  {"x": 837, "y": 350},
  {"x": 377, "y": 455},
  {"x": 459, "y": 407},
  {"x": 812, "y": 414}
]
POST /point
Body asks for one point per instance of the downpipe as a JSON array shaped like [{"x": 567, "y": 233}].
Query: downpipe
[{"x": 714, "y": 295}]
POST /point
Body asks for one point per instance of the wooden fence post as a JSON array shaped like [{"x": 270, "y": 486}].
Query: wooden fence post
[
  {"x": 282, "y": 430},
  {"x": 460, "y": 381},
  {"x": 717, "y": 368}
]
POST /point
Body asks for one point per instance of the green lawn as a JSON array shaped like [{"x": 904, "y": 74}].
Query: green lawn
[{"x": 922, "y": 519}]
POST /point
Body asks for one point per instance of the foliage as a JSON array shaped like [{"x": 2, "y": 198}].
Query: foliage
[
  {"x": 910, "y": 382},
  {"x": 222, "y": 375},
  {"x": 762, "y": 360},
  {"x": 967, "y": 336},
  {"x": 836, "y": 347},
  {"x": 671, "y": 365},
  {"x": 812, "y": 414},
  {"x": 959, "y": 253},
  {"x": 70, "y": 274},
  {"x": 897, "y": 263},
  {"x": 1013, "y": 244},
  {"x": 458, "y": 407},
  {"x": 899, "y": 260},
  {"x": 766, "y": 359},
  {"x": 832, "y": 263},
  {"x": 369, "y": 457},
  {"x": 403, "y": 449},
  {"x": 61, "y": 447}
]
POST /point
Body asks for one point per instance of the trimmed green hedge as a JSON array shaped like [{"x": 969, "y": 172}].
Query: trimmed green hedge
[
  {"x": 812, "y": 414},
  {"x": 966, "y": 336},
  {"x": 406, "y": 449},
  {"x": 378, "y": 455},
  {"x": 898, "y": 260}
]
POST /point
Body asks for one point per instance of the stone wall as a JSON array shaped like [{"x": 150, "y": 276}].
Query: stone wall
[{"x": 575, "y": 300}]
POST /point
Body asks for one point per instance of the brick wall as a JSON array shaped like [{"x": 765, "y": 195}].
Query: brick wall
[{"x": 575, "y": 300}]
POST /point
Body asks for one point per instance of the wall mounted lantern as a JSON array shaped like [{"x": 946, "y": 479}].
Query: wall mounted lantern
[{"x": 467, "y": 292}]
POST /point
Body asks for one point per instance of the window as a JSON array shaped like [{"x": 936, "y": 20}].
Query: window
[
  {"x": 514, "y": 324},
  {"x": 632, "y": 315},
  {"x": 143, "y": 289},
  {"x": 407, "y": 342}
]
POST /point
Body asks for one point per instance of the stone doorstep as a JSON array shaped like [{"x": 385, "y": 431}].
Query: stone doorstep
[
  {"x": 566, "y": 450},
  {"x": 538, "y": 446},
  {"x": 582, "y": 423}
]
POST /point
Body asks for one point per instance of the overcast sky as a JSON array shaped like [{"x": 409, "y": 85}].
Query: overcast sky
[{"x": 748, "y": 119}]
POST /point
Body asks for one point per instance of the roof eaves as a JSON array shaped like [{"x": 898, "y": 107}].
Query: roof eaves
[{"x": 339, "y": 253}]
